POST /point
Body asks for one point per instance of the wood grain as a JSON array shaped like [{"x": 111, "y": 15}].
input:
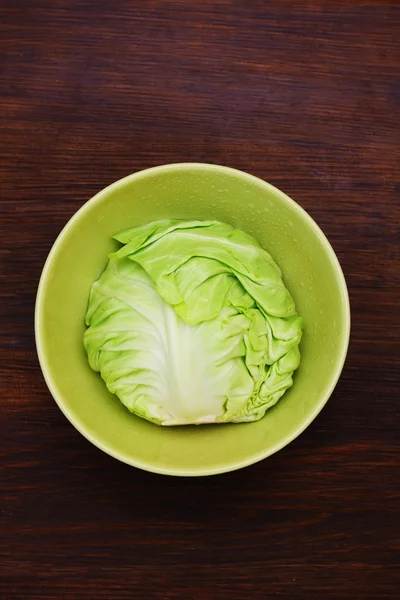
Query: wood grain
[{"x": 303, "y": 94}]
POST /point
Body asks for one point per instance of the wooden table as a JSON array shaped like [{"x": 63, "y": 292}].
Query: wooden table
[{"x": 303, "y": 94}]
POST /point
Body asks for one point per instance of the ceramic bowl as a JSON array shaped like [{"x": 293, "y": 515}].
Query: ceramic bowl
[{"x": 311, "y": 272}]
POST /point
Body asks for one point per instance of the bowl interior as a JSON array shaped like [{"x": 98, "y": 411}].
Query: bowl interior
[{"x": 311, "y": 273}]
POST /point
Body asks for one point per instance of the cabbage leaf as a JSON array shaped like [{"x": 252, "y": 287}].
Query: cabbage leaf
[{"x": 191, "y": 323}]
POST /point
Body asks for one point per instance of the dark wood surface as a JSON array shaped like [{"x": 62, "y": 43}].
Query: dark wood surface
[{"x": 303, "y": 94}]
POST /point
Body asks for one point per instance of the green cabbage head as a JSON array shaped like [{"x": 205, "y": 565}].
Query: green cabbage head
[{"x": 191, "y": 323}]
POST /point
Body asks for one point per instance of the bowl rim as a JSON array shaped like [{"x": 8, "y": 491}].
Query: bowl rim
[{"x": 148, "y": 466}]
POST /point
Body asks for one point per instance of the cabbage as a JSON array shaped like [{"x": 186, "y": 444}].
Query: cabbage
[{"x": 191, "y": 323}]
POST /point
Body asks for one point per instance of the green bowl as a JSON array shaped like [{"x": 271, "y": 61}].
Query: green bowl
[{"x": 190, "y": 191}]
